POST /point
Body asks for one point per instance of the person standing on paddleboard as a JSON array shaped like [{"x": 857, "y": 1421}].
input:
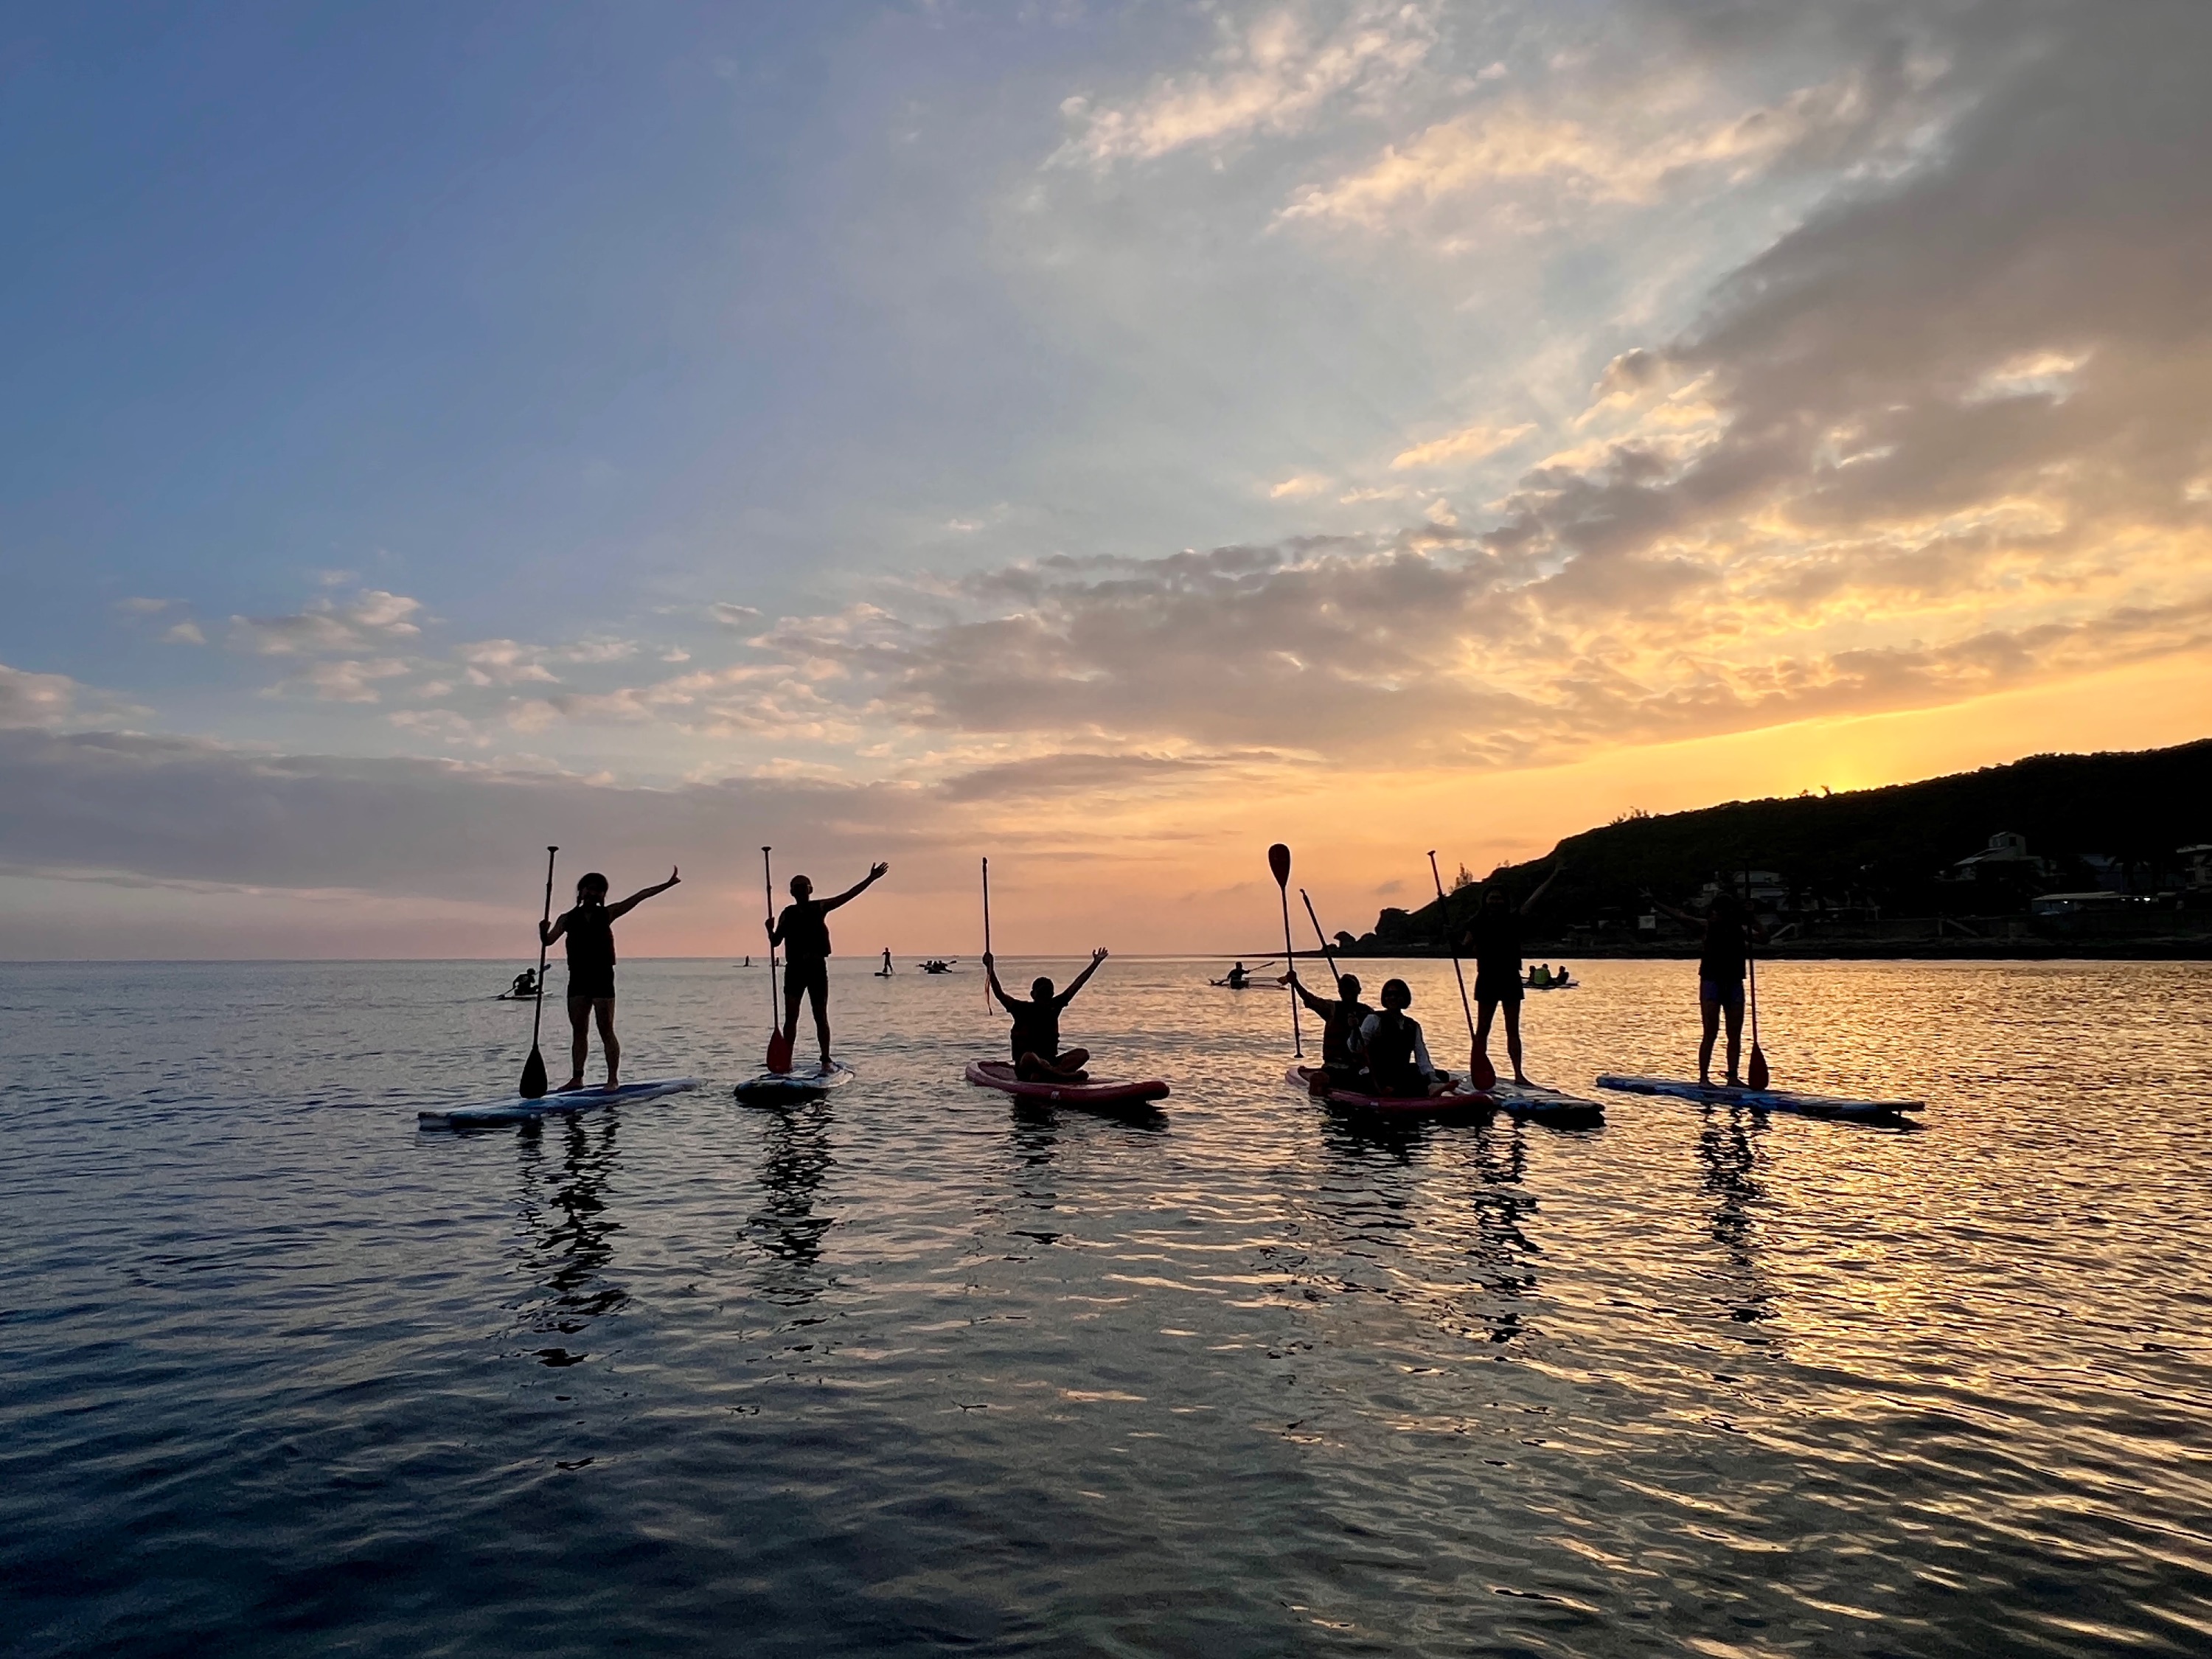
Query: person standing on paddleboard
[
  {"x": 590, "y": 931},
  {"x": 1729, "y": 932},
  {"x": 1494, "y": 938},
  {"x": 1341, "y": 1022},
  {"x": 1038, "y": 1057},
  {"x": 803, "y": 929}
]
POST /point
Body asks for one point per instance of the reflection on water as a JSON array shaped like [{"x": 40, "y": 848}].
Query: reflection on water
[{"x": 924, "y": 1372}]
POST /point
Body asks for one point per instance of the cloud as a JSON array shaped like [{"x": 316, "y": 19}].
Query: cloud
[
  {"x": 371, "y": 618},
  {"x": 733, "y": 615},
  {"x": 1471, "y": 443},
  {"x": 36, "y": 699},
  {"x": 1271, "y": 75},
  {"x": 186, "y": 632},
  {"x": 1300, "y": 484},
  {"x": 504, "y": 662},
  {"x": 345, "y": 681}
]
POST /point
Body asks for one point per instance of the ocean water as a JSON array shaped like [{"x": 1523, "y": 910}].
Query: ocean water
[{"x": 909, "y": 1370}]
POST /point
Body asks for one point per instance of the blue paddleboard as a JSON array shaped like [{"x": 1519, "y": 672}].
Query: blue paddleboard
[
  {"x": 1764, "y": 1100},
  {"x": 515, "y": 1109}
]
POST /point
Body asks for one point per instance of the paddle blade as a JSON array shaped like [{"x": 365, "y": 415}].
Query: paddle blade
[
  {"x": 534, "y": 1076},
  {"x": 1278, "y": 860},
  {"x": 1480, "y": 1072},
  {"x": 779, "y": 1053},
  {"x": 1756, "y": 1072}
]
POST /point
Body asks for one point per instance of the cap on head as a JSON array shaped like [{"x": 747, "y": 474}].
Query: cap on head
[{"x": 1396, "y": 993}]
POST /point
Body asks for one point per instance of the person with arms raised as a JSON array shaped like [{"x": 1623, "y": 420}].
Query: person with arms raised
[
  {"x": 1494, "y": 938},
  {"x": 1341, "y": 1023},
  {"x": 803, "y": 931},
  {"x": 590, "y": 930},
  {"x": 1038, "y": 1057}
]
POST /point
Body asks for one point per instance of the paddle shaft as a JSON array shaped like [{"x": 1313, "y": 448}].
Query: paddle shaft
[
  {"x": 774, "y": 1002},
  {"x": 1443, "y": 911},
  {"x": 1327, "y": 955},
  {"x": 986, "y": 929},
  {"x": 1278, "y": 860},
  {"x": 537, "y": 1013}
]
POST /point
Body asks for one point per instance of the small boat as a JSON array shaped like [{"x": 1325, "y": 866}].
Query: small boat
[
  {"x": 1764, "y": 1100},
  {"x": 516, "y": 1110},
  {"x": 785, "y": 1088},
  {"x": 1098, "y": 1094}
]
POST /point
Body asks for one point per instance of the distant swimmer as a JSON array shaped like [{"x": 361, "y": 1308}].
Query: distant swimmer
[
  {"x": 590, "y": 931},
  {"x": 1341, "y": 1023},
  {"x": 1493, "y": 939},
  {"x": 803, "y": 929},
  {"x": 1038, "y": 1057},
  {"x": 1729, "y": 933},
  {"x": 1395, "y": 1053}
]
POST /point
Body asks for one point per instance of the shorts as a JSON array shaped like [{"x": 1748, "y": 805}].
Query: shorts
[
  {"x": 1728, "y": 993},
  {"x": 1502, "y": 986},
  {"x": 807, "y": 979},
  {"x": 590, "y": 987}
]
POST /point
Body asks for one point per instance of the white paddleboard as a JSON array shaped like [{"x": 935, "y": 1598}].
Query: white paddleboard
[
  {"x": 1547, "y": 1105},
  {"x": 515, "y": 1109},
  {"x": 1764, "y": 1100},
  {"x": 782, "y": 1088}
]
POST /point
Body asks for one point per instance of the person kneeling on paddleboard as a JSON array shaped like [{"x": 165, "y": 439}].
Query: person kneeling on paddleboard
[
  {"x": 1396, "y": 1054},
  {"x": 1341, "y": 1021},
  {"x": 590, "y": 930},
  {"x": 1038, "y": 1057},
  {"x": 804, "y": 932}
]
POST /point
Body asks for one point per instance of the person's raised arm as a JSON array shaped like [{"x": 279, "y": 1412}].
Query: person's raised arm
[
  {"x": 616, "y": 912},
  {"x": 1083, "y": 978},
  {"x": 1323, "y": 1008},
  {"x": 1559, "y": 864},
  {"x": 1689, "y": 919},
  {"x": 991, "y": 972},
  {"x": 875, "y": 873}
]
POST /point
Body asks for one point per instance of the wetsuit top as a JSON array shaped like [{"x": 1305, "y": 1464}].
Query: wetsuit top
[
  {"x": 804, "y": 929},
  {"x": 591, "y": 941},
  {"x": 1494, "y": 941},
  {"x": 1036, "y": 1027},
  {"x": 1394, "y": 1045},
  {"x": 1723, "y": 956}
]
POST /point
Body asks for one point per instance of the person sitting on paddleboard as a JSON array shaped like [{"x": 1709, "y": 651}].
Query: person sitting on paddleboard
[
  {"x": 1340, "y": 1028},
  {"x": 1038, "y": 1057},
  {"x": 804, "y": 932},
  {"x": 590, "y": 930},
  {"x": 524, "y": 986},
  {"x": 1729, "y": 933},
  {"x": 1493, "y": 939},
  {"x": 1396, "y": 1052},
  {"x": 1239, "y": 976}
]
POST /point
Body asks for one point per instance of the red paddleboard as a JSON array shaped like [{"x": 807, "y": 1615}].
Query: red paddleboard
[
  {"x": 1099, "y": 1091},
  {"x": 1458, "y": 1104}
]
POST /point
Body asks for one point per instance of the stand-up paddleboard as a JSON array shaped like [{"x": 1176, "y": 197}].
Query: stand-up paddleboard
[
  {"x": 1764, "y": 1100},
  {"x": 1459, "y": 1102},
  {"x": 1543, "y": 1105},
  {"x": 589, "y": 1098},
  {"x": 785, "y": 1088},
  {"x": 1107, "y": 1094}
]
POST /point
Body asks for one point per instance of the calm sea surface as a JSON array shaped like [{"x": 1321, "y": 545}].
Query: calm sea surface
[{"x": 908, "y": 1370}]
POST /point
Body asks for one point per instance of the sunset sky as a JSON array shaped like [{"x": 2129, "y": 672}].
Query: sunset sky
[{"x": 1108, "y": 435}]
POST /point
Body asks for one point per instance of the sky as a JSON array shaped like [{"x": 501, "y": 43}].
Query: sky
[{"x": 1106, "y": 436}]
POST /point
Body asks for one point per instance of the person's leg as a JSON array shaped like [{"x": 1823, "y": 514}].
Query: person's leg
[
  {"x": 605, "y": 1008},
  {"x": 579, "y": 1046},
  {"x": 817, "y": 989},
  {"x": 794, "y": 991},
  {"x": 1734, "y": 1040},
  {"x": 1485, "y": 1010},
  {"x": 1513, "y": 1039},
  {"x": 1708, "y": 1012}
]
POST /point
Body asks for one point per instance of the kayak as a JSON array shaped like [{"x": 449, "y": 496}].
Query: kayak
[
  {"x": 1764, "y": 1100},
  {"x": 1100, "y": 1092},
  {"x": 515, "y": 1109},
  {"x": 1543, "y": 1105},
  {"x": 785, "y": 1088},
  {"x": 1459, "y": 1102}
]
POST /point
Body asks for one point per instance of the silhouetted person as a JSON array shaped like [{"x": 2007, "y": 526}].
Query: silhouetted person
[
  {"x": 590, "y": 930},
  {"x": 1341, "y": 1021},
  {"x": 1038, "y": 1057},
  {"x": 1493, "y": 939},
  {"x": 803, "y": 929},
  {"x": 1729, "y": 930},
  {"x": 1395, "y": 1053}
]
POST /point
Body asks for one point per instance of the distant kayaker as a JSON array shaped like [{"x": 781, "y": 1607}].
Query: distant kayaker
[
  {"x": 1239, "y": 977},
  {"x": 803, "y": 929},
  {"x": 1395, "y": 1053},
  {"x": 1038, "y": 1057},
  {"x": 1341, "y": 1022},
  {"x": 1493, "y": 939},
  {"x": 590, "y": 931},
  {"x": 1729, "y": 930},
  {"x": 524, "y": 986}
]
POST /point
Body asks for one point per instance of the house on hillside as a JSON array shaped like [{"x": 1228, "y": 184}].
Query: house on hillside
[
  {"x": 1763, "y": 889},
  {"x": 2198, "y": 872},
  {"x": 2006, "y": 856}
]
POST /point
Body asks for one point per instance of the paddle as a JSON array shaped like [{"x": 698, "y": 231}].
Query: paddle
[
  {"x": 1278, "y": 860},
  {"x": 1479, "y": 1071},
  {"x": 779, "y": 1045},
  {"x": 533, "y": 1069},
  {"x": 987, "y": 928},
  {"x": 1756, "y": 1074}
]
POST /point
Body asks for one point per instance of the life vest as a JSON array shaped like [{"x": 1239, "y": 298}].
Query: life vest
[{"x": 1389, "y": 1051}]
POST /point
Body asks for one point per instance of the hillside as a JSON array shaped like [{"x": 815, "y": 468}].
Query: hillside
[{"x": 1877, "y": 852}]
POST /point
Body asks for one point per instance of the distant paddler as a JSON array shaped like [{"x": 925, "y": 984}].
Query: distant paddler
[
  {"x": 590, "y": 930},
  {"x": 1494, "y": 938},
  {"x": 1729, "y": 930},
  {"x": 804, "y": 932}
]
